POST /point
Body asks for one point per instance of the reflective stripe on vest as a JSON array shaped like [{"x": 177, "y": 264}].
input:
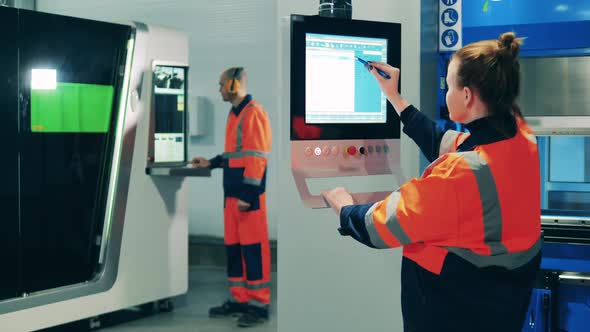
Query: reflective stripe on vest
[
  {"x": 490, "y": 203},
  {"x": 392, "y": 223},
  {"x": 239, "y": 128},
  {"x": 374, "y": 237},
  {"x": 510, "y": 260},
  {"x": 531, "y": 138},
  {"x": 247, "y": 153},
  {"x": 491, "y": 218},
  {"x": 447, "y": 143}
]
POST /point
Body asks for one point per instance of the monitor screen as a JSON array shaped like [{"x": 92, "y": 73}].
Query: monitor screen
[
  {"x": 338, "y": 88},
  {"x": 169, "y": 103}
]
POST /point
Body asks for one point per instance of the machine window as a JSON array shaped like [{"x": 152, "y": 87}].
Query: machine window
[
  {"x": 565, "y": 175},
  {"x": 71, "y": 108}
]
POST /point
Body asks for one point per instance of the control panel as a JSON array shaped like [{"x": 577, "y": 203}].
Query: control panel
[
  {"x": 337, "y": 158},
  {"x": 341, "y": 123}
]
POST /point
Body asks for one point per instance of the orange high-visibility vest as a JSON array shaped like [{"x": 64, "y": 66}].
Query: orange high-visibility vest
[
  {"x": 482, "y": 205},
  {"x": 247, "y": 146}
]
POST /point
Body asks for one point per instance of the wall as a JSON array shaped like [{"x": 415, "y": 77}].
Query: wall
[{"x": 221, "y": 34}]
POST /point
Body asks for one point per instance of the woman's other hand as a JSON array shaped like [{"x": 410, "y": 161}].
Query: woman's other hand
[{"x": 337, "y": 198}]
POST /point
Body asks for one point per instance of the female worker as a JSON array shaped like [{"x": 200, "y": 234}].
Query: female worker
[{"x": 470, "y": 225}]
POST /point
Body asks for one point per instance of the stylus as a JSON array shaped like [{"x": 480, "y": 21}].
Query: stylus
[{"x": 369, "y": 67}]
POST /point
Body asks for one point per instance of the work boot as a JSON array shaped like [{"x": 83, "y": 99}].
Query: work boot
[
  {"x": 253, "y": 316},
  {"x": 229, "y": 308}
]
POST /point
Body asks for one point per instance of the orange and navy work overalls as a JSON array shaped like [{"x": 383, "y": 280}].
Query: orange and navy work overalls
[
  {"x": 470, "y": 226},
  {"x": 244, "y": 162}
]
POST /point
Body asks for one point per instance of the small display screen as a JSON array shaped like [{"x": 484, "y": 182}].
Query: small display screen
[
  {"x": 338, "y": 87},
  {"x": 169, "y": 101}
]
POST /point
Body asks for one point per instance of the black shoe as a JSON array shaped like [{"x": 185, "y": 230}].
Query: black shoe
[
  {"x": 253, "y": 316},
  {"x": 229, "y": 308}
]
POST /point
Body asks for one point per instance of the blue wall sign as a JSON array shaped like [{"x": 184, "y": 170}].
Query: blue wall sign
[
  {"x": 449, "y": 17},
  {"x": 450, "y": 25},
  {"x": 449, "y": 2},
  {"x": 449, "y": 38}
]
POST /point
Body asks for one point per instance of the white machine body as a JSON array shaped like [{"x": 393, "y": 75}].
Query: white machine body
[{"x": 148, "y": 241}]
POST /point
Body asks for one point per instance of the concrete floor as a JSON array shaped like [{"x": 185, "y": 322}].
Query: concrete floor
[{"x": 207, "y": 288}]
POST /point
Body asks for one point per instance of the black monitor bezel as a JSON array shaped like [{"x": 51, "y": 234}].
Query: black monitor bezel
[{"x": 300, "y": 26}]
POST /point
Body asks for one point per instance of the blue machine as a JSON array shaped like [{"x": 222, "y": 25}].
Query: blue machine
[{"x": 555, "y": 61}]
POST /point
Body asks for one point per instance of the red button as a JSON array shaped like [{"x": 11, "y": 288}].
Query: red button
[{"x": 351, "y": 150}]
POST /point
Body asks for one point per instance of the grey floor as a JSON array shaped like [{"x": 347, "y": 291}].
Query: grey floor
[{"x": 207, "y": 288}]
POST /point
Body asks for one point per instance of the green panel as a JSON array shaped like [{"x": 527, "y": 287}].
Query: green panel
[{"x": 72, "y": 108}]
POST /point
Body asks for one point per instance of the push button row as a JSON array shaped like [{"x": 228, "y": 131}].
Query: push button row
[
  {"x": 367, "y": 150},
  {"x": 326, "y": 150},
  {"x": 350, "y": 150}
]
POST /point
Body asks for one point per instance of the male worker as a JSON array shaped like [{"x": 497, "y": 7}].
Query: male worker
[{"x": 247, "y": 145}]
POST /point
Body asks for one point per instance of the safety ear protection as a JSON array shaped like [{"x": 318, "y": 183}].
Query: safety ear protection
[{"x": 233, "y": 85}]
